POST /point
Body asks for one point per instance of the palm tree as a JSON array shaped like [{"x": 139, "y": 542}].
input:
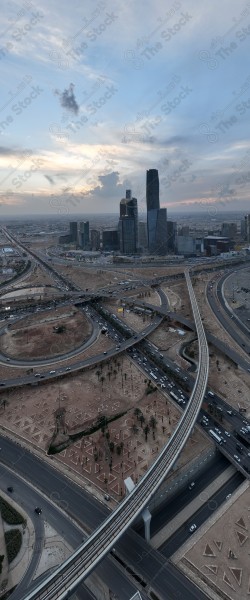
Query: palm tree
[
  {"x": 102, "y": 380},
  {"x": 137, "y": 412},
  {"x": 146, "y": 431},
  {"x": 98, "y": 373},
  {"x": 134, "y": 428},
  {"x": 152, "y": 422},
  {"x": 141, "y": 419}
]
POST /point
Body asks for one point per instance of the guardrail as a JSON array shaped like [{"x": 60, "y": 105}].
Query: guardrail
[{"x": 65, "y": 579}]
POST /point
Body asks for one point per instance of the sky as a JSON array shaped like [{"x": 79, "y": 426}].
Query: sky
[{"x": 95, "y": 93}]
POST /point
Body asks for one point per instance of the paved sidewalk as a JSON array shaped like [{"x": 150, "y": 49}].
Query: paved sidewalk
[{"x": 192, "y": 507}]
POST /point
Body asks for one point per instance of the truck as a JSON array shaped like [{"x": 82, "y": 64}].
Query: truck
[
  {"x": 153, "y": 375},
  {"x": 174, "y": 396},
  {"x": 215, "y": 436}
]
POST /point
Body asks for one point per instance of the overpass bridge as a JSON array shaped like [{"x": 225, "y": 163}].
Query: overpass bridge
[{"x": 65, "y": 579}]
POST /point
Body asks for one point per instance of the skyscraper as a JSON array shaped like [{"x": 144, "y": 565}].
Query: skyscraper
[
  {"x": 152, "y": 190},
  {"x": 73, "y": 230},
  {"x": 156, "y": 216},
  {"x": 128, "y": 224},
  {"x": 83, "y": 235}
]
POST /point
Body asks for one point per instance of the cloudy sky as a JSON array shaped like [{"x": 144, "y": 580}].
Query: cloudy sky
[{"x": 95, "y": 93}]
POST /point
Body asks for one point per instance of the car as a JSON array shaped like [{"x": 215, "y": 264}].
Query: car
[
  {"x": 236, "y": 458},
  {"x": 192, "y": 528},
  {"x": 51, "y": 372},
  {"x": 105, "y": 352},
  {"x": 1, "y": 384},
  {"x": 38, "y": 510},
  {"x": 106, "y": 497},
  {"x": 7, "y": 359},
  {"x": 38, "y": 375},
  {"x": 228, "y": 496},
  {"x": 191, "y": 485},
  {"x": 229, "y": 412},
  {"x": 42, "y": 376},
  {"x": 68, "y": 368},
  {"x": 227, "y": 433},
  {"x": 10, "y": 489}
]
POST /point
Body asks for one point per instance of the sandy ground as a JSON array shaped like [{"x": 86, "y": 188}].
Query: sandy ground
[
  {"x": 119, "y": 386},
  {"x": 35, "y": 336}
]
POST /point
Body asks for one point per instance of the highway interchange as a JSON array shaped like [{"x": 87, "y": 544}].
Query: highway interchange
[{"x": 160, "y": 376}]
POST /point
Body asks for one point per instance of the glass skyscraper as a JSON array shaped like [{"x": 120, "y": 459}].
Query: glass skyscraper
[{"x": 156, "y": 216}]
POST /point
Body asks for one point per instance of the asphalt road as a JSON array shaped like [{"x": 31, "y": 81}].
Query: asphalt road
[
  {"x": 153, "y": 568},
  {"x": 200, "y": 516},
  {"x": 168, "y": 510}
]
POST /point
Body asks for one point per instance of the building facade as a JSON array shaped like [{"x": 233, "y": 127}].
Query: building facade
[
  {"x": 156, "y": 216},
  {"x": 128, "y": 224}
]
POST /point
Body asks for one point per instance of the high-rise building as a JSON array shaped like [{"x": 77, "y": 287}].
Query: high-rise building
[
  {"x": 247, "y": 228},
  {"x": 110, "y": 240},
  {"x": 142, "y": 236},
  {"x": 172, "y": 235},
  {"x": 229, "y": 230},
  {"x": 95, "y": 239},
  {"x": 152, "y": 190},
  {"x": 73, "y": 230},
  {"x": 83, "y": 235},
  {"x": 156, "y": 216},
  {"x": 128, "y": 224}
]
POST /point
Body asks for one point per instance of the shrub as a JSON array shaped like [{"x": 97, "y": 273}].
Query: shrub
[
  {"x": 13, "y": 540},
  {"x": 9, "y": 514}
]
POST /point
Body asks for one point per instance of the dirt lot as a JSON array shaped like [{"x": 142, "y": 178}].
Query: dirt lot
[
  {"x": 36, "y": 335},
  {"x": 109, "y": 390}
]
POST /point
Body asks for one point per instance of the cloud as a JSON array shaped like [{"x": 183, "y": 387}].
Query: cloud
[
  {"x": 68, "y": 100},
  {"x": 50, "y": 179}
]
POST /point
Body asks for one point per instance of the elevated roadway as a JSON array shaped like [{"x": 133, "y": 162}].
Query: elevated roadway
[{"x": 65, "y": 579}]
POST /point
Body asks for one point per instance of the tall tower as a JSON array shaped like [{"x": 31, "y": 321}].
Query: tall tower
[
  {"x": 128, "y": 224},
  {"x": 156, "y": 216},
  {"x": 152, "y": 190}
]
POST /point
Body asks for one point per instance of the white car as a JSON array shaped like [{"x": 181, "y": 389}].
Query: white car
[{"x": 192, "y": 528}]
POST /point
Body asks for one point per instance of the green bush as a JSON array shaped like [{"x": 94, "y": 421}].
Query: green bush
[
  {"x": 13, "y": 541},
  {"x": 9, "y": 514}
]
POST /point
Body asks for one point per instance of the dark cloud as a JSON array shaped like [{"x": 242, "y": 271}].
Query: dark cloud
[
  {"x": 50, "y": 179},
  {"x": 6, "y": 151},
  {"x": 68, "y": 100}
]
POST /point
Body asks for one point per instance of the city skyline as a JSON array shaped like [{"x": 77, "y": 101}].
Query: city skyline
[{"x": 91, "y": 99}]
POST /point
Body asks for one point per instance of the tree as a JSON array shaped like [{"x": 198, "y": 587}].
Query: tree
[
  {"x": 118, "y": 450},
  {"x": 137, "y": 413},
  {"x": 141, "y": 419},
  {"x": 111, "y": 446},
  {"x": 146, "y": 431},
  {"x": 152, "y": 422},
  {"x": 134, "y": 428},
  {"x": 102, "y": 380},
  {"x": 98, "y": 373}
]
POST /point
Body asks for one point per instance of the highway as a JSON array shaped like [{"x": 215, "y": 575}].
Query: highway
[
  {"x": 134, "y": 551},
  {"x": 200, "y": 516},
  {"x": 67, "y": 577}
]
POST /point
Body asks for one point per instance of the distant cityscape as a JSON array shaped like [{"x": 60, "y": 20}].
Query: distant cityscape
[{"x": 158, "y": 235}]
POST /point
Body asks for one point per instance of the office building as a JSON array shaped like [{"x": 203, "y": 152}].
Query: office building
[
  {"x": 142, "y": 236},
  {"x": 95, "y": 239},
  {"x": 171, "y": 236},
  {"x": 110, "y": 240},
  {"x": 128, "y": 224},
  {"x": 247, "y": 228},
  {"x": 156, "y": 216},
  {"x": 73, "y": 231},
  {"x": 229, "y": 230},
  {"x": 83, "y": 235}
]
